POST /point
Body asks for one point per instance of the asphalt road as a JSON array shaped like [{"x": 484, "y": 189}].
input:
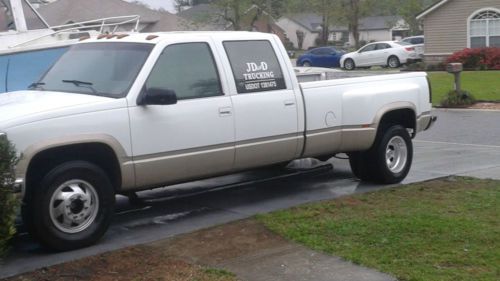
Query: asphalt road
[{"x": 462, "y": 142}]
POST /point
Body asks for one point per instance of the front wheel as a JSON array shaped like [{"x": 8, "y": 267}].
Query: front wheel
[
  {"x": 349, "y": 64},
  {"x": 306, "y": 64},
  {"x": 73, "y": 206}
]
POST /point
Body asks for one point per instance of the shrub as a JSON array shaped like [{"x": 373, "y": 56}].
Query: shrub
[
  {"x": 478, "y": 58},
  {"x": 8, "y": 201},
  {"x": 458, "y": 99}
]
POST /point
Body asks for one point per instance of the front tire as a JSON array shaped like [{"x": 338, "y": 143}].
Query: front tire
[
  {"x": 306, "y": 64},
  {"x": 349, "y": 64},
  {"x": 73, "y": 206}
]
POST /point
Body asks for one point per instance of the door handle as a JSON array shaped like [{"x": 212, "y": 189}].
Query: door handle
[
  {"x": 225, "y": 111},
  {"x": 289, "y": 102}
]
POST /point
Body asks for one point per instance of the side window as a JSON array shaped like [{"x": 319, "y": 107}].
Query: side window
[
  {"x": 255, "y": 66},
  {"x": 316, "y": 52},
  {"x": 368, "y": 48},
  {"x": 27, "y": 67},
  {"x": 188, "y": 69}
]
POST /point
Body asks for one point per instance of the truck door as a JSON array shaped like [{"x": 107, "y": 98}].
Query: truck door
[
  {"x": 192, "y": 138},
  {"x": 265, "y": 107}
]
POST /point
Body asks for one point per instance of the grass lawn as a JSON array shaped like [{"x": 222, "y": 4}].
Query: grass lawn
[
  {"x": 484, "y": 85},
  {"x": 440, "y": 230}
]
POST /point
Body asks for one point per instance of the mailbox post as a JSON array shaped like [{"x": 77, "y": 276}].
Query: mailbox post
[{"x": 456, "y": 69}]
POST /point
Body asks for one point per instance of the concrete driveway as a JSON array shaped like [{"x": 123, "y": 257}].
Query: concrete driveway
[{"x": 463, "y": 142}]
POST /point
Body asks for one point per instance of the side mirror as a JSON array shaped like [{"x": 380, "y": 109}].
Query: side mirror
[{"x": 157, "y": 96}]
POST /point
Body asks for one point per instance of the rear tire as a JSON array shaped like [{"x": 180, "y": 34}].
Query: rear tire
[
  {"x": 389, "y": 159},
  {"x": 393, "y": 62},
  {"x": 73, "y": 206}
]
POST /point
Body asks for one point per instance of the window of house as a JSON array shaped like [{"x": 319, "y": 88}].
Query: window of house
[
  {"x": 188, "y": 69},
  {"x": 485, "y": 29}
]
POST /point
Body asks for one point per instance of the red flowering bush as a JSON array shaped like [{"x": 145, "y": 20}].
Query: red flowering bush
[{"x": 478, "y": 58}]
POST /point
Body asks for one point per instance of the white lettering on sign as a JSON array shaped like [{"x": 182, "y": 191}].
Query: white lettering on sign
[
  {"x": 258, "y": 75},
  {"x": 252, "y": 66}
]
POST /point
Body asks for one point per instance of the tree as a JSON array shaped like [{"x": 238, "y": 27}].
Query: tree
[
  {"x": 242, "y": 14},
  {"x": 407, "y": 9}
]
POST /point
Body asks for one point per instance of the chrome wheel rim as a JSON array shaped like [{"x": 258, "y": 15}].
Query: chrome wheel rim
[
  {"x": 74, "y": 206},
  {"x": 393, "y": 62},
  {"x": 396, "y": 154}
]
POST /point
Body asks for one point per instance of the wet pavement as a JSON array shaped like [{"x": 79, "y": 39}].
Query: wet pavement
[{"x": 461, "y": 143}]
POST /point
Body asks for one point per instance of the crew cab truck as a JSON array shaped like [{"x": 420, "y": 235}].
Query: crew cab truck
[{"x": 122, "y": 113}]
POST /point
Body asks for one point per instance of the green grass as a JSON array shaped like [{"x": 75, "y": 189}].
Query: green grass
[
  {"x": 484, "y": 85},
  {"x": 440, "y": 230}
]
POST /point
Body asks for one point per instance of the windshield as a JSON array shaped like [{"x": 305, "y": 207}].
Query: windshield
[{"x": 103, "y": 69}]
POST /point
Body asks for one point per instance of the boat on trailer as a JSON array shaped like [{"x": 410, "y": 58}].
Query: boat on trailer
[{"x": 29, "y": 46}]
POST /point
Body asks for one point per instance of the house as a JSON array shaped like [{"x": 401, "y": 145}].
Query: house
[
  {"x": 305, "y": 28},
  {"x": 70, "y": 11},
  {"x": 453, "y": 25}
]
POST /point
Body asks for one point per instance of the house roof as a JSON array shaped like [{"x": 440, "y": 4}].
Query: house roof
[
  {"x": 312, "y": 22},
  {"x": 64, "y": 11},
  {"x": 431, "y": 9},
  {"x": 206, "y": 14}
]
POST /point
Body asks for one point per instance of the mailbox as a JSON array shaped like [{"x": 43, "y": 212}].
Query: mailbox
[{"x": 454, "y": 67}]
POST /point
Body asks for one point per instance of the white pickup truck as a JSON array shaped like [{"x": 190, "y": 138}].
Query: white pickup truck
[{"x": 122, "y": 113}]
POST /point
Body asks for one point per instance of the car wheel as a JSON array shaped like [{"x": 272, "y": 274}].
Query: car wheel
[
  {"x": 306, "y": 64},
  {"x": 73, "y": 206},
  {"x": 391, "y": 155},
  {"x": 389, "y": 159},
  {"x": 349, "y": 64},
  {"x": 360, "y": 166},
  {"x": 393, "y": 62}
]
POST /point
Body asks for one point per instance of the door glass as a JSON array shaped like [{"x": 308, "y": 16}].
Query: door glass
[
  {"x": 368, "y": 48},
  {"x": 187, "y": 69},
  {"x": 255, "y": 66}
]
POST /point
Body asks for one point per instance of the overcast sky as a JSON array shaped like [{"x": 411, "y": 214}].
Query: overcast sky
[{"x": 156, "y": 4}]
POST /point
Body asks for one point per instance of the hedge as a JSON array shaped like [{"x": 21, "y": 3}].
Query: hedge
[
  {"x": 8, "y": 201},
  {"x": 477, "y": 58}
]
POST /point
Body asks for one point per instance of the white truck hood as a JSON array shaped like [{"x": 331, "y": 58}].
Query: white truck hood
[{"x": 17, "y": 108}]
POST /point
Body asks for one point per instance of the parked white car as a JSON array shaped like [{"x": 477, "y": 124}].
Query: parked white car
[
  {"x": 387, "y": 53},
  {"x": 418, "y": 42}
]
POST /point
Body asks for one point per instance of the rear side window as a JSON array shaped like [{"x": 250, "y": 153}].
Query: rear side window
[{"x": 255, "y": 66}]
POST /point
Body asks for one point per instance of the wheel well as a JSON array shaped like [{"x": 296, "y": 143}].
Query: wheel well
[
  {"x": 97, "y": 153},
  {"x": 404, "y": 117}
]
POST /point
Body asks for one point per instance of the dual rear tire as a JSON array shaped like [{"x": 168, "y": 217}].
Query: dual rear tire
[{"x": 388, "y": 161}]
